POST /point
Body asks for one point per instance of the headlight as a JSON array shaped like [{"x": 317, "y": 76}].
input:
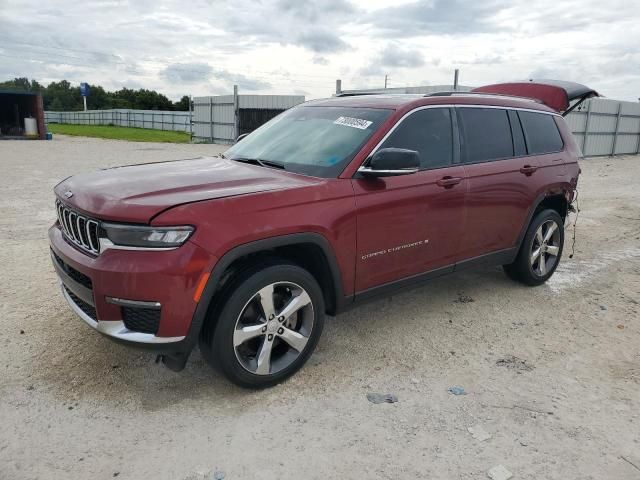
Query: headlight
[{"x": 146, "y": 237}]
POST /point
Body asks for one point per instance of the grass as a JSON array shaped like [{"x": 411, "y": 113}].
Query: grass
[{"x": 119, "y": 133}]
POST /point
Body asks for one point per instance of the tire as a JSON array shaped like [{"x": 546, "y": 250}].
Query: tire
[
  {"x": 243, "y": 340},
  {"x": 534, "y": 265}
]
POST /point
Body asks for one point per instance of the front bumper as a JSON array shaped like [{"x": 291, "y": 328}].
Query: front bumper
[
  {"x": 116, "y": 329},
  {"x": 165, "y": 279}
]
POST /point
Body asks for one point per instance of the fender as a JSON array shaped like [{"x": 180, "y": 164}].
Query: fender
[
  {"x": 539, "y": 199},
  {"x": 254, "y": 247}
]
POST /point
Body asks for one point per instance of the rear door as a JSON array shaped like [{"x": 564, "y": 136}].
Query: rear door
[
  {"x": 545, "y": 142},
  {"x": 411, "y": 224},
  {"x": 501, "y": 179}
]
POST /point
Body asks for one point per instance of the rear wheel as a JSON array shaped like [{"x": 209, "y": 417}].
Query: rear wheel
[
  {"x": 540, "y": 251},
  {"x": 268, "y": 327}
]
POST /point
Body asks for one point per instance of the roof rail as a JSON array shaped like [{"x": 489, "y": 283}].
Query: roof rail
[
  {"x": 482, "y": 94},
  {"x": 359, "y": 94},
  {"x": 354, "y": 94}
]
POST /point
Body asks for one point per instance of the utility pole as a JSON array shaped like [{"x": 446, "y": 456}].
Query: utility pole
[
  {"x": 236, "y": 113},
  {"x": 190, "y": 118},
  {"x": 386, "y": 78}
]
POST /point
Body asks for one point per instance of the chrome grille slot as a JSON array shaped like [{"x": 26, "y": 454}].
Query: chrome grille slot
[
  {"x": 82, "y": 231},
  {"x": 78, "y": 229}
]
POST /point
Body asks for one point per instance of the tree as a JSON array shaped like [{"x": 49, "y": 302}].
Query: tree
[
  {"x": 62, "y": 96},
  {"x": 68, "y": 97},
  {"x": 182, "y": 104},
  {"x": 21, "y": 84},
  {"x": 99, "y": 99},
  {"x": 56, "y": 105}
]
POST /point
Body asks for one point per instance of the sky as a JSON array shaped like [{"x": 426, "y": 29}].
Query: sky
[{"x": 204, "y": 47}]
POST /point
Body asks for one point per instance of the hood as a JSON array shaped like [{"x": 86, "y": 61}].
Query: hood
[{"x": 137, "y": 193}]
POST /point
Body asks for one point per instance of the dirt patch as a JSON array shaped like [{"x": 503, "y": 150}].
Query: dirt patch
[
  {"x": 66, "y": 412},
  {"x": 464, "y": 299},
  {"x": 514, "y": 363}
]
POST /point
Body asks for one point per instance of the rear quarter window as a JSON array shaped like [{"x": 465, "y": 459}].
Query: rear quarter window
[
  {"x": 486, "y": 134},
  {"x": 541, "y": 133}
]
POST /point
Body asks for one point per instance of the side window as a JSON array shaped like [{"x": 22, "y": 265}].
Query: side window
[
  {"x": 519, "y": 144},
  {"x": 428, "y": 132},
  {"x": 541, "y": 132},
  {"x": 486, "y": 134}
]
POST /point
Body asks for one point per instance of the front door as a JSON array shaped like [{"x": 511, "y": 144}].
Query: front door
[{"x": 408, "y": 225}]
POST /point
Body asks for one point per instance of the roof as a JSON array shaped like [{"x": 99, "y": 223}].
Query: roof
[{"x": 401, "y": 101}]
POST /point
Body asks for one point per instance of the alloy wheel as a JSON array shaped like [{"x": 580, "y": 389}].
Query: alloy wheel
[
  {"x": 545, "y": 248},
  {"x": 273, "y": 328}
]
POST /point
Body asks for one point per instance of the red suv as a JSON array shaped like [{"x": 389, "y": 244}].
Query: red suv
[{"x": 331, "y": 203}]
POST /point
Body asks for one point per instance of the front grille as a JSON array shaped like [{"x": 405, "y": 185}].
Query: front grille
[
  {"x": 144, "y": 320},
  {"x": 79, "y": 277},
  {"x": 84, "y": 306},
  {"x": 80, "y": 230}
]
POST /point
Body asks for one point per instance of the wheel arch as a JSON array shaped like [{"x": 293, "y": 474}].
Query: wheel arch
[
  {"x": 311, "y": 251},
  {"x": 555, "y": 200}
]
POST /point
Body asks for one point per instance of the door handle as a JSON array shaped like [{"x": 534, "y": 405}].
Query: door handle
[
  {"x": 448, "y": 181},
  {"x": 528, "y": 169}
]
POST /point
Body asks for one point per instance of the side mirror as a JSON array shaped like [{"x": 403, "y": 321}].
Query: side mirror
[
  {"x": 391, "y": 162},
  {"x": 240, "y": 137}
]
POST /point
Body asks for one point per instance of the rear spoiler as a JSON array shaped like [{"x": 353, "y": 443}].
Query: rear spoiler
[{"x": 555, "y": 94}]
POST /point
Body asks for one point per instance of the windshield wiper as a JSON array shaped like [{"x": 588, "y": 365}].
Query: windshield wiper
[
  {"x": 258, "y": 161},
  {"x": 271, "y": 163}
]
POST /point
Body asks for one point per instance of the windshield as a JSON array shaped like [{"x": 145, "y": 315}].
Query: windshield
[{"x": 317, "y": 141}]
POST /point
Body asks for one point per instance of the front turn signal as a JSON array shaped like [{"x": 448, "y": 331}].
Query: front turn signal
[{"x": 204, "y": 278}]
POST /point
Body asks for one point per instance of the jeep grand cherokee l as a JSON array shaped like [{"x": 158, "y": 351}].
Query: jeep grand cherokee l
[{"x": 331, "y": 203}]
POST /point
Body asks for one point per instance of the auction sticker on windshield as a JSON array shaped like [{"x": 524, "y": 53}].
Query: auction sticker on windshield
[{"x": 353, "y": 122}]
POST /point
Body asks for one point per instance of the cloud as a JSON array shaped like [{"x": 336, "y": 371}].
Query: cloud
[
  {"x": 244, "y": 82},
  {"x": 320, "y": 40},
  {"x": 279, "y": 46},
  {"x": 187, "y": 72},
  {"x": 318, "y": 10},
  {"x": 482, "y": 60},
  {"x": 316, "y": 26},
  {"x": 394, "y": 56},
  {"x": 133, "y": 84},
  {"x": 429, "y": 17}
]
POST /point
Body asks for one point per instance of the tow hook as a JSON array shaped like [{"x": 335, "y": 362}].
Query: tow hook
[{"x": 175, "y": 362}]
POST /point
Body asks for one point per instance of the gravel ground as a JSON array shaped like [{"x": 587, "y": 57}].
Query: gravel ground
[{"x": 552, "y": 374}]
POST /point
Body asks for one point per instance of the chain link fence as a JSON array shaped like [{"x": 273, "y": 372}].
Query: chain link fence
[{"x": 153, "y": 119}]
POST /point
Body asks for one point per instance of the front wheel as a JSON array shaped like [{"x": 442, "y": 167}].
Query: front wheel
[
  {"x": 268, "y": 327},
  {"x": 540, "y": 251}
]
